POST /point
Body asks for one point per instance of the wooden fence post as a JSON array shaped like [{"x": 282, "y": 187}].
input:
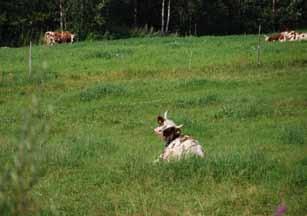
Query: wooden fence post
[
  {"x": 30, "y": 60},
  {"x": 190, "y": 60}
]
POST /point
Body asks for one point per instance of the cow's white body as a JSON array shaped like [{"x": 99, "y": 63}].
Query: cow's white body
[{"x": 181, "y": 148}]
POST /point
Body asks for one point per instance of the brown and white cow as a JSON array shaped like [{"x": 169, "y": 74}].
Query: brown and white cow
[
  {"x": 177, "y": 146},
  {"x": 281, "y": 37},
  {"x": 286, "y": 36},
  {"x": 52, "y": 38},
  {"x": 297, "y": 36}
]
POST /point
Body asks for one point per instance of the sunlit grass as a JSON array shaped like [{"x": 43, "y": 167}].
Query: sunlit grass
[{"x": 250, "y": 119}]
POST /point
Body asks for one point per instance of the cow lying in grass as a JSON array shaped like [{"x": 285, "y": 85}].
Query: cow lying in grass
[
  {"x": 177, "y": 146},
  {"x": 52, "y": 38},
  {"x": 286, "y": 36}
]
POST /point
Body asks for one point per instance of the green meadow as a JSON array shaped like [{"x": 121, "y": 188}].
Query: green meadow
[{"x": 99, "y": 101}]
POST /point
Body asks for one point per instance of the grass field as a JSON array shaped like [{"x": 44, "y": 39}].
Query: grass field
[{"x": 100, "y": 101}]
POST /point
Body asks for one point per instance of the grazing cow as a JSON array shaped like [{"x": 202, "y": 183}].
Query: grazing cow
[
  {"x": 64, "y": 37},
  {"x": 52, "y": 38},
  {"x": 177, "y": 146},
  {"x": 49, "y": 38}
]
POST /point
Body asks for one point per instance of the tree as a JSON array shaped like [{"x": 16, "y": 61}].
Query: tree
[
  {"x": 61, "y": 14},
  {"x": 162, "y": 17},
  {"x": 168, "y": 15}
]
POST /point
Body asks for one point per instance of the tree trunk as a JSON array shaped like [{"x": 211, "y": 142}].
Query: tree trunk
[
  {"x": 274, "y": 14},
  {"x": 168, "y": 15},
  {"x": 162, "y": 17},
  {"x": 61, "y": 15},
  {"x": 64, "y": 20}
]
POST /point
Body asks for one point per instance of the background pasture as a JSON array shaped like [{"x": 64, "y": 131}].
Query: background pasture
[{"x": 100, "y": 101}]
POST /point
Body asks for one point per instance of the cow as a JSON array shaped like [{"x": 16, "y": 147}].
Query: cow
[
  {"x": 52, "y": 38},
  {"x": 177, "y": 146},
  {"x": 64, "y": 37},
  {"x": 296, "y": 36},
  {"x": 286, "y": 36},
  {"x": 293, "y": 36},
  {"x": 282, "y": 36},
  {"x": 49, "y": 38}
]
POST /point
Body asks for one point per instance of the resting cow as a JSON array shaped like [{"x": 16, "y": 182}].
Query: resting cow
[
  {"x": 286, "y": 36},
  {"x": 177, "y": 146}
]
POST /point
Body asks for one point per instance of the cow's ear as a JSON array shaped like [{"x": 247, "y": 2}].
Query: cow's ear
[{"x": 160, "y": 120}]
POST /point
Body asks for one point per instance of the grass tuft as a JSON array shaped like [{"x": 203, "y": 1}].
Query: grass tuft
[
  {"x": 107, "y": 55},
  {"x": 244, "y": 110},
  {"x": 293, "y": 134},
  {"x": 201, "y": 102},
  {"x": 100, "y": 91}
]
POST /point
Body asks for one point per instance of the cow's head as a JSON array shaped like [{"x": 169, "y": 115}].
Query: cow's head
[
  {"x": 49, "y": 38},
  {"x": 303, "y": 36},
  {"x": 72, "y": 37},
  {"x": 266, "y": 38},
  {"x": 167, "y": 129}
]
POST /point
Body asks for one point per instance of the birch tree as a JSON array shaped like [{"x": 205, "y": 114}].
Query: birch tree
[
  {"x": 61, "y": 15},
  {"x": 162, "y": 17},
  {"x": 168, "y": 16}
]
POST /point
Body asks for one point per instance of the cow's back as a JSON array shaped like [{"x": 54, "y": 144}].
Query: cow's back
[{"x": 182, "y": 147}]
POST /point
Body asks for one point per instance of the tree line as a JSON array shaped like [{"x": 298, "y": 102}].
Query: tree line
[{"x": 25, "y": 20}]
